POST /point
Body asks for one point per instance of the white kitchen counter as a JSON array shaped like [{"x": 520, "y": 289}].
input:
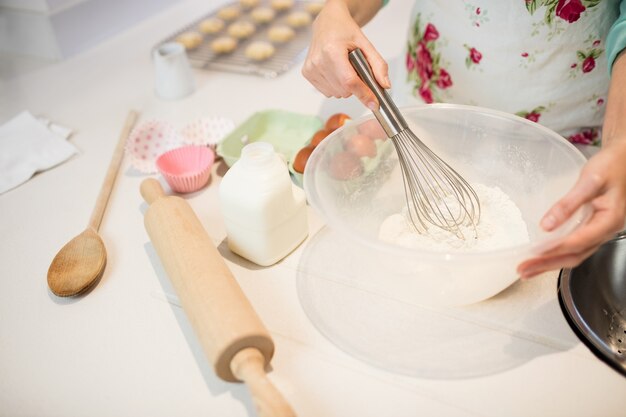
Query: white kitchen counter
[{"x": 123, "y": 350}]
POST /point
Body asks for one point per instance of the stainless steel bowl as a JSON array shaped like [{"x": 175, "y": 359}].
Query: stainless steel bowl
[{"x": 593, "y": 299}]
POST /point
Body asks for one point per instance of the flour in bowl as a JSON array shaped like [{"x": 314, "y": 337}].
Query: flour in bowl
[{"x": 501, "y": 225}]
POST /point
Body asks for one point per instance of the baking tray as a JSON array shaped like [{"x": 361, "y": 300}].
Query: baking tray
[{"x": 285, "y": 56}]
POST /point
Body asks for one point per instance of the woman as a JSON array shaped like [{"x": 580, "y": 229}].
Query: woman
[{"x": 557, "y": 62}]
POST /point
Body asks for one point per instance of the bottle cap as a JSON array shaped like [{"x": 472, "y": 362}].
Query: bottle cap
[{"x": 257, "y": 155}]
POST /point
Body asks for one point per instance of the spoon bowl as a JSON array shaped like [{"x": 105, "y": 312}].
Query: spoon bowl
[{"x": 78, "y": 265}]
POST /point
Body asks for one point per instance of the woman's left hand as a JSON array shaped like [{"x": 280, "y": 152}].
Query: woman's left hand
[{"x": 602, "y": 184}]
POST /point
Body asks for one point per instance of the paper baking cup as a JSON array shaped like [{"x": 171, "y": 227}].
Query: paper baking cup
[
  {"x": 207, "y": 131},
  {"x": 148, "y": 141},
  {"x": 186, "y": 169}
]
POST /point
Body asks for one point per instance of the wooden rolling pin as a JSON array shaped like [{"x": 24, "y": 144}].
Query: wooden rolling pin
[{"x": 233, "y": 337}]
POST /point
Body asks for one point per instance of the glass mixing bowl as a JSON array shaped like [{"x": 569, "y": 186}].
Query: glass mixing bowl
[{"x": 355, "y": 189}]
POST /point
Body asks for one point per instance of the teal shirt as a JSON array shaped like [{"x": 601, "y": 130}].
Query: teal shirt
[{"x": 616, "y": 39}]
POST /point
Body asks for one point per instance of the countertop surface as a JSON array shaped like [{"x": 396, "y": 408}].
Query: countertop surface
[{"x": 127, "y": 349}]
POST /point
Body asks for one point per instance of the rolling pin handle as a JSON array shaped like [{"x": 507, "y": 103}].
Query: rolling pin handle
[
  {"x": 248, "y": 365},
  {"x": 151, "y": 190}
]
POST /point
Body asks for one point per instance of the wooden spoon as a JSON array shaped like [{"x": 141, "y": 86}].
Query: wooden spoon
[{"x": 80, "y": 263}]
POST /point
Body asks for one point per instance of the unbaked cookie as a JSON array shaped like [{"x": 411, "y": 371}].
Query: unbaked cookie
[
  {"x": 314, "y": 8},
  {"x": 298, "y": 19},
  {"x": 211, "y": 25},
  {"x": 280, "y": 33},
  {"x": 241, "y": 30},
  {"x": 229, "y": 12},
  {"x": 224, "y": 45},
  {"x": 281, "y": 4},
  {"x": 260, "y": 50},
  {"x": 248, "y": 3},
  {"x": 262, "y": 14},
  {"x": 190, "y": 40}
]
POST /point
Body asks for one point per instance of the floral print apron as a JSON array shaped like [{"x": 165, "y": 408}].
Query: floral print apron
[{"x": 540, "y": 59}]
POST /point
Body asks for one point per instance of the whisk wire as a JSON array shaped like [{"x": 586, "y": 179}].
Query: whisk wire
[{"x": 436, "y": 194}]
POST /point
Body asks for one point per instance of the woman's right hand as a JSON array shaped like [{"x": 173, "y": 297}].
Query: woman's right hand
[{"x": 335, "y": 34}]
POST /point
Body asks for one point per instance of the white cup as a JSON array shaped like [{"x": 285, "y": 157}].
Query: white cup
[{"x": 173, "y": 76}]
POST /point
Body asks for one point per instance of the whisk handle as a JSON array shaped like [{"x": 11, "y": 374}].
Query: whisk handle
[{"x": 387, "y": 114}]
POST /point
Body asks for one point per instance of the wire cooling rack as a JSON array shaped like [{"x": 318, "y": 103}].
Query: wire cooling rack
[{"x": 285, "y": 56}]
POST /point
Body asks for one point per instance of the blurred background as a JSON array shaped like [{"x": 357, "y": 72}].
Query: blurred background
[{"x": 34, "y": 33}]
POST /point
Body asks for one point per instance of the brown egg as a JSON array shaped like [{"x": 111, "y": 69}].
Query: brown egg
[
  {"x": 319, "y": 136},
  {"x": 335, "y": 121},
  {"x": 373, "y": 129},
  {"x": 299, "y": 163},
  {"x": 345, "y": 166},
  {"x": 361, "y": 145}
]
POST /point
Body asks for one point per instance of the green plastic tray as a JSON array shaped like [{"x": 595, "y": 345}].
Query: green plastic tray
[{"x": 288, "y": 132}]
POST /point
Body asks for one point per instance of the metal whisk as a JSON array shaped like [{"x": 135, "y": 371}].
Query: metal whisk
[{"x": 435, "y": 193}]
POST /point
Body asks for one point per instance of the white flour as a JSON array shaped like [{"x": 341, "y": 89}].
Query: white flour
[{"x": 500, "y": 226}]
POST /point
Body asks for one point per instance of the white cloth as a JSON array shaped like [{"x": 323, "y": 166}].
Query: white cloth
[{"x": 27, "y": 146}]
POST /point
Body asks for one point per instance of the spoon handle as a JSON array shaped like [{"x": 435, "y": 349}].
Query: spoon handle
[{"x": 114, "y": 166}]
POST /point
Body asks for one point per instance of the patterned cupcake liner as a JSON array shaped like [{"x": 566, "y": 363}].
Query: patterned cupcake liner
[
  {"x": 153, "y": 138},
  {"x": 207, "y": 131}
]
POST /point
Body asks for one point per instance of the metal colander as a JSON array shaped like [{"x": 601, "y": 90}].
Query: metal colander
[{"x": 593, "y": 299}]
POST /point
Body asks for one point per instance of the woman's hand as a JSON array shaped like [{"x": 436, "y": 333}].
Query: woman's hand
[
  {"x": 602, "y": 183},
  {"x": 335, "y": 34}
]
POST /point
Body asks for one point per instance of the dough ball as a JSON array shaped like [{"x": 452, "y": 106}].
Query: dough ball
[
  {"x": 281, "y": 5},
  {"x": 262, "y": 14},
  {"x": 280, "y": 33},
  {"x": 249, "y": 3},
  {"x": 298, "y": 19},
  {"x": 260, "y": 50},
  {"x": 241, "y": 30},
  {"x": 229, "y": 12},
  {"x": 224, "y": 45},
  {"x": 315, "y": 7},
  {"x": 211, "y": 25},
  {"x": 190, "y": 40}
]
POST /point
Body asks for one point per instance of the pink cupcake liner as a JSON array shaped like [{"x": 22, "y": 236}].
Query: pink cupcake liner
[
  {"x": 186, "y": 169},
  {"x": 148, "y": 141}
]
